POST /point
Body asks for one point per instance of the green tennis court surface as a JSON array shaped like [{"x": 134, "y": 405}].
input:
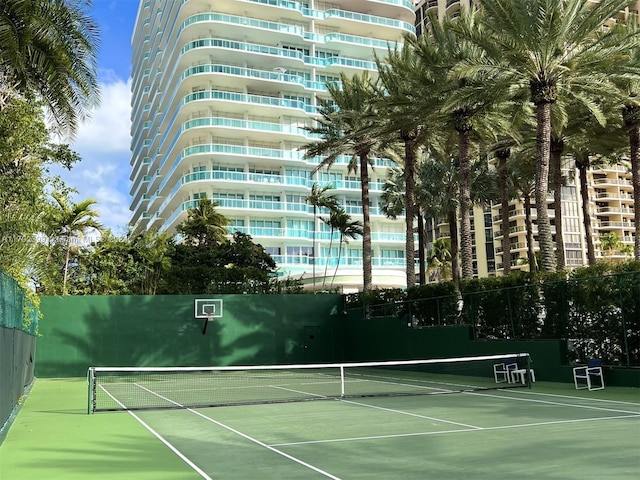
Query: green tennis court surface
[{"x": 549, "y": 432}]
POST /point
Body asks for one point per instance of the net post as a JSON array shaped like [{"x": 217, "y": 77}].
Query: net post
[
  {"x": 342, "y": 381},
  {"x": 529, "y": 382},
  {"x": 91, "y": 385}
]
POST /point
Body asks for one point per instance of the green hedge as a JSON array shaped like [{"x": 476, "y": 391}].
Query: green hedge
[{"x": 595, "y": 309}]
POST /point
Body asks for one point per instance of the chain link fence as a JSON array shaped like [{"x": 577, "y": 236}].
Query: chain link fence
[{"x": 18, "y": 326}]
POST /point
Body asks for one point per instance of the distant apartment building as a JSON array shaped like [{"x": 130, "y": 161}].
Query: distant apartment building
[{"x": 222, "y": 92}]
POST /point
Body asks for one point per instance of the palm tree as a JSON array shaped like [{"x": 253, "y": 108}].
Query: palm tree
[
  {"x": 73, "y": 220},
  {"x": 575, "y": 131},
  {"x": 345, "y": 128},
  {"x": 393, "y": 204},
  {"x": 591, "y": 144},
  {"x": 437, "y": 195},
  {"x": 48, "y": 49},
  {"x": 152, "y": 252},
  {"x": 522, "y": 181},
  {"x": 399, "y": 74},
  {"x": 556, "y": 153},
  {"x": 629, "y": 82},
  {"x": 463, "y": 105},
  {"x": 503, "y": 155},
  {"x": 204, "y": 224},
  {"x": 348, "y": 229},
  {"x": 631, "y": 117},
  {"x": 440, "y": 259},
  {"x": 552, "y": 49},
  {"x": 320, "y": 198},
  {"x": 610, "y": 242},
  {"x": 441, "y": 49}
]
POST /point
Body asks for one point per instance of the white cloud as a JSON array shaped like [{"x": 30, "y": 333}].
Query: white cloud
[
  {"x": 108, "y": 129},
  {"x": 103, "y": 142}
]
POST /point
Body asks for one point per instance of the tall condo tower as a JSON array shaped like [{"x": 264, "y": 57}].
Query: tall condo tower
[{"x": 222, "y": 93}]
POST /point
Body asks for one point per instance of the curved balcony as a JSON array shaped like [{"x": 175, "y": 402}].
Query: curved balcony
[
  {"x": 234, "y": 46},
  {"x": 266, "y": 179},
  {"x": 613, "y": 181},
  {"x": 243, "y": 98},
  {"x": 335, "y": 13},
  {"x": 279, "y": 29},
  {"x": 289, "y": 132},
  {"x": 252, "y": 73}
]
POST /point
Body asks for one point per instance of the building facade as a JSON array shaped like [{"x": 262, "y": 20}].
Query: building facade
[{"x": 222, "y": 92}]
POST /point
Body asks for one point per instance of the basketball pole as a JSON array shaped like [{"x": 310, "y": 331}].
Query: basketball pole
[{"x": 206, "y": 323}]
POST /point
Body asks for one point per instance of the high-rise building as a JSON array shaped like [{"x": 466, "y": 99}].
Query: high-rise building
[{"x": 222, "y": 93}]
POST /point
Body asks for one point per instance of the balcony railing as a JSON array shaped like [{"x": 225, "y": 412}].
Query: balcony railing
[
  {"x": 254, "y": 73},
  {"x": 247, "y": 98},
  {"x": 298, "y": 6},
  {"x": 266, "y": 127}
]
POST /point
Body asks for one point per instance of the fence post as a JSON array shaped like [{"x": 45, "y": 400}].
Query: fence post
[{"x": 624, "y": 323}]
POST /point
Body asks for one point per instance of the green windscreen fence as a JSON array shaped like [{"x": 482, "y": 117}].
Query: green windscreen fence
[{"x": 18, "y": 325}]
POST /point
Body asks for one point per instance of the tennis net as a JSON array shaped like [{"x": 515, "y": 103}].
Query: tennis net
[{"x": 136, "y": 388}]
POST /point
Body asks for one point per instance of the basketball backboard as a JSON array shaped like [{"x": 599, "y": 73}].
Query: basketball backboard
[{"x": 208, "y": 308}]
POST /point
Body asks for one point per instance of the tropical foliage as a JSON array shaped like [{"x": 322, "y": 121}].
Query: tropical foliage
[{"x": 48, "y": 52}]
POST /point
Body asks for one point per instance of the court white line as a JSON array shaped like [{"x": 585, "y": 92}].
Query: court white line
[
  {"x": 549, "y": 402},
  {"x": 279, "y": 387},
  {"x": 444, "y": 432},
  {"x": 245, "y": 436},
  {"x": 268, "y": 447},
  {"x": 160, "y": 437},
  {"x": 413, "y": 414},
  {"x": 573, "y": 397}
]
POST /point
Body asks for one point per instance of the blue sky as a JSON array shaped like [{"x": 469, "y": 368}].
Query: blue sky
[{"x": 103, "y": 142}]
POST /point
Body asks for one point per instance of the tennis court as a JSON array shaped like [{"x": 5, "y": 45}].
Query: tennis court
[{"x": 550, "y": 431}]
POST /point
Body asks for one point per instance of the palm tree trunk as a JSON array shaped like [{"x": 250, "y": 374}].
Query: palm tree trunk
[
  {"x": 531, "y": 256},
  {"x": 367, "y": 277},
  {"x": 543, "y": 143},
  {"x": 313, "y": 248},
  {"x": 453, "y": 232},
  {"x": 335, "y": 272},
  {"x": 557, "y": 147},
  {"x": 582, "y": 165},
  {"x": 466, "y": 251},
  {"x": 421, "y": 258},
  {"x": 631, "y": 116},
  {"x": 66, "y": 266},
  {"x": 503, "y": 155},
  {"x": 326, "y": 262},
  {"x": 409, "y": 174}
]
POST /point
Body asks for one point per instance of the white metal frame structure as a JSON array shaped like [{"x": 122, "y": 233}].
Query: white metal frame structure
[
  {"x": 502, "y": 371},
  {"x": 584, "y": 376}
]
